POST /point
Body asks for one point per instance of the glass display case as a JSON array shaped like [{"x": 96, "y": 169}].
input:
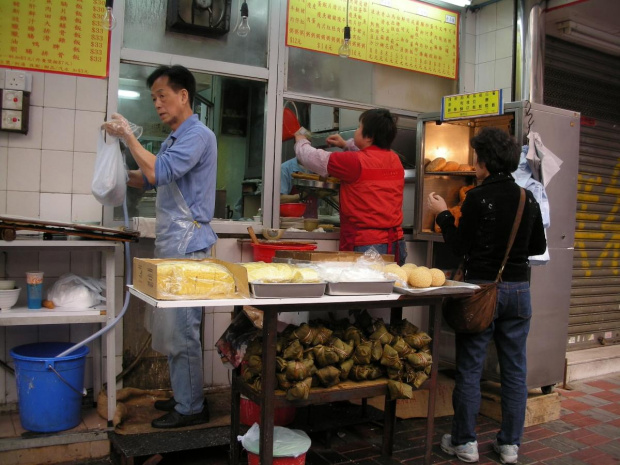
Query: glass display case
[{"x": 445, "y": 161}]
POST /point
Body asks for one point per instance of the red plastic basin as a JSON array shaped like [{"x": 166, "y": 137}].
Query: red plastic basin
[{"x": 292, "y": 209}]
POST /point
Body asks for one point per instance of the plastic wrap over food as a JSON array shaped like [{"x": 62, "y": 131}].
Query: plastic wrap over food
[
  {"x": 338, "y": 272},
  {"x": 261, "y": 272},
  {"x": 194, "y": 279}
]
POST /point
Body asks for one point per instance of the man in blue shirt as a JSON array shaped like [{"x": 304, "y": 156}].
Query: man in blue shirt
[{"x": 184, "y": 174}]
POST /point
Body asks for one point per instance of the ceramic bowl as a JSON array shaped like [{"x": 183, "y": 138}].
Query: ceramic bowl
[
  {"x": 7, "y": 284},
  {"x": 8, "y": 298}
]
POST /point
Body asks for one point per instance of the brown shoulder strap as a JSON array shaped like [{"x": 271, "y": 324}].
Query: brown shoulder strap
[{"x": 513, "y": 233}]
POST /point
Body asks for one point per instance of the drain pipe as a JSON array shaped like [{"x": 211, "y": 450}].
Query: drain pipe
[{"x": 529, "y": 50}]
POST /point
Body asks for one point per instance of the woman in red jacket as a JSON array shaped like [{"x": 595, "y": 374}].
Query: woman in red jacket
[{"x": 372, "y": 181}]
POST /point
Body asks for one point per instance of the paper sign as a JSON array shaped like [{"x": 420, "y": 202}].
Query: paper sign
[
  {"x": 401, "y": 33},
  {"x": 472, "y": 105},
  {"x": 61, "y": 36}
]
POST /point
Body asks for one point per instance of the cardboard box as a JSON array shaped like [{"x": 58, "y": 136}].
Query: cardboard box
[
  {"x": 145, "y": 277},
  {"x": 318, "y": 256},
  {"x": 540, "y": 408},
  {"x": 417, "y": 407}
]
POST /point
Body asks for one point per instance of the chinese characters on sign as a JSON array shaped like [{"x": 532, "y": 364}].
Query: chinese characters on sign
[
  {"x": 401, "y": 33},
  {"x": 62, "y": 36},
  {"x": 472, "y": 105}
]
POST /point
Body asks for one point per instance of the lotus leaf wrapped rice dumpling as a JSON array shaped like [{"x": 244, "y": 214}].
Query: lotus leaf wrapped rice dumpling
[
  {"x": 345, "y": 368},
  {"x": 300, "y": 390},
  {"x": 329, "y": 376},
  {"x": 194, "y": 279},
  {"x": 325, "y": 355},
  {"x": 399, "y": 390}
]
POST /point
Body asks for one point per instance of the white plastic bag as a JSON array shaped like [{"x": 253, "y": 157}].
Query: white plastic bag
[
  {"x": 75, "y": 291},
  {"x": 109, "y": 184},
  {"x": 286, "y": 442}
]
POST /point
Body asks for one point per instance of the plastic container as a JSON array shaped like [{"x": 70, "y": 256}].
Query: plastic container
[
  {"x": 34, "y": 288},
  {"x": 289, "y": 210},
  {"x": 49, "y": 389},
  {"x": 254, "y": 459},
  {"x": 250, "y": 414},
  {"x": 266, "y": 252}
]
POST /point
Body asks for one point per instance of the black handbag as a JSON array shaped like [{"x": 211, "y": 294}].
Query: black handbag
[{"x": 475, "y": 313}]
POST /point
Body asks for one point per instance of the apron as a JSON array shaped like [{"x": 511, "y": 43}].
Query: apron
[
  {"x": 348, "y": 233},
  {"x": 174, "y": 230}
]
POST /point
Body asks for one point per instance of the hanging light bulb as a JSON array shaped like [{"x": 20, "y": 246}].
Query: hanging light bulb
[
  {"x": 244, "y": 28},
  {"x": 345, "y": 50},
  {"x": 108, "y": 21}
]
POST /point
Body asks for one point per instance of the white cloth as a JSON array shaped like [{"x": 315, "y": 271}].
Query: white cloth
[{"x": 543, "y": 162}]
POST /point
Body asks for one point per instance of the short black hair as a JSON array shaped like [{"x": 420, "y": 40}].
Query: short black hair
[
  {"x": 497, "y": 149},
  {"x": 179, "y": 77},
  {"x": 380, "y": 126}
]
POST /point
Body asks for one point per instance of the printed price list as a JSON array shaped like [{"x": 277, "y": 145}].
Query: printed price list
[
  {"x": 63, "y": 36},
  {"x": 400, "y": 33}
]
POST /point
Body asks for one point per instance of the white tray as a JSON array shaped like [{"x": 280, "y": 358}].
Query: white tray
[
  {"x": 445, "y": 289},
  {"x": 360, "y": 288}
]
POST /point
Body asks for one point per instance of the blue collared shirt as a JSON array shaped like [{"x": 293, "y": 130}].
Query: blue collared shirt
[{"x": 189, "y": 157}]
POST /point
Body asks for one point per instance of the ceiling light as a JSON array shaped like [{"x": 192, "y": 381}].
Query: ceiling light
[
  {"x": 590, "y": 37},
  {"x": 128, "y": 94},
  {"x": 458, "y": 2}
]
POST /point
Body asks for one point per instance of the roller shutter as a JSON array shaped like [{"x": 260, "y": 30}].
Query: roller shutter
[{"x": 587, "y": 81}]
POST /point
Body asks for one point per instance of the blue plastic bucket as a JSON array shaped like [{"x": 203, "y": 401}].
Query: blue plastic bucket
[{"x": 49, "y": 389}]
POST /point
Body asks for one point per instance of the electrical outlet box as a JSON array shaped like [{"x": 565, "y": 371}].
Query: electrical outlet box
[
  {"x": 11, "y": 120},
  {"x": 12, "y": 99},
  {"x": 16, "y": 79}
]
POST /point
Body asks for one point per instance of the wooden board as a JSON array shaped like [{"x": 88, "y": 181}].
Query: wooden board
[
  {"x": 541, "y": 408},
  {"x": 10, "y": 224}
]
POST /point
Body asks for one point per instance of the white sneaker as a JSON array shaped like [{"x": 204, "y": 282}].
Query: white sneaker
[
  {"x": 466, "y": 452},
  {"x": 508, "y": 453}
]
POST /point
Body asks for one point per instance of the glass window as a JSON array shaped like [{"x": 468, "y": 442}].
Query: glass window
[
  {"x": 154, "y": 26},
  {"x": 321, "y": 195},
  {"x": 234, "y": 109}
]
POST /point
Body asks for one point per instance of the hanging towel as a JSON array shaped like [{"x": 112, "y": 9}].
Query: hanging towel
[{"x": 543, "y": 162}]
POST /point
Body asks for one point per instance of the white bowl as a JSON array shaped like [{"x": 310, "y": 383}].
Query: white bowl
[
  {"x": 7, "y": 284},
  {"x": 8, "y": 298}
]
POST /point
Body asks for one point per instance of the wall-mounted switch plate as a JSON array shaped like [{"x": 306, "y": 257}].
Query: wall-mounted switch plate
[
  {"x": 11, "y": 120},
  {"x": 12, "y": 99}
]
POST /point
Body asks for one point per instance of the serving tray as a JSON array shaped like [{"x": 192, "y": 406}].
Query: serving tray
[
  {"x": 445, "y": 289},
  {"x": 285, "y": 290},
  {"x": 360, "y": 288}
]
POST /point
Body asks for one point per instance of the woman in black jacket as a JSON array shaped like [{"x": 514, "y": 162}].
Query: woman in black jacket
[{"x": 488, "y": 213}]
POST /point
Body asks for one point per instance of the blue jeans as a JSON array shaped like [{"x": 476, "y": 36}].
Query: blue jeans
[
  {"x": 382, "y": 249},
  {"x": 509, "y": 331},
  {"x": 185, "y": 354}
]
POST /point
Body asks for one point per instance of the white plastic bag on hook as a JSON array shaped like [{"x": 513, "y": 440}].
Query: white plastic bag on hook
[{"x": 109, "y": 184}]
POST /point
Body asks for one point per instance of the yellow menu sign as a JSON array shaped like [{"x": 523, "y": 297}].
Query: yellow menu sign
[
  {"x": 62, "y": 36},
  {"x": 472, "y": 105},
  {"x": 401, "y": 33}
]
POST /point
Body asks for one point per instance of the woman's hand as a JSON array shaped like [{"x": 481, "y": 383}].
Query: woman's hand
[
  {"x": 436, "y": 203},
  {"x": 336, "y": 140}
]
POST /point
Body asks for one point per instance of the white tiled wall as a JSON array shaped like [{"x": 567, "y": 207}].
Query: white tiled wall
[
  {"x": 47, "y": 173},
  {"x": 487, "y": 48}
]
